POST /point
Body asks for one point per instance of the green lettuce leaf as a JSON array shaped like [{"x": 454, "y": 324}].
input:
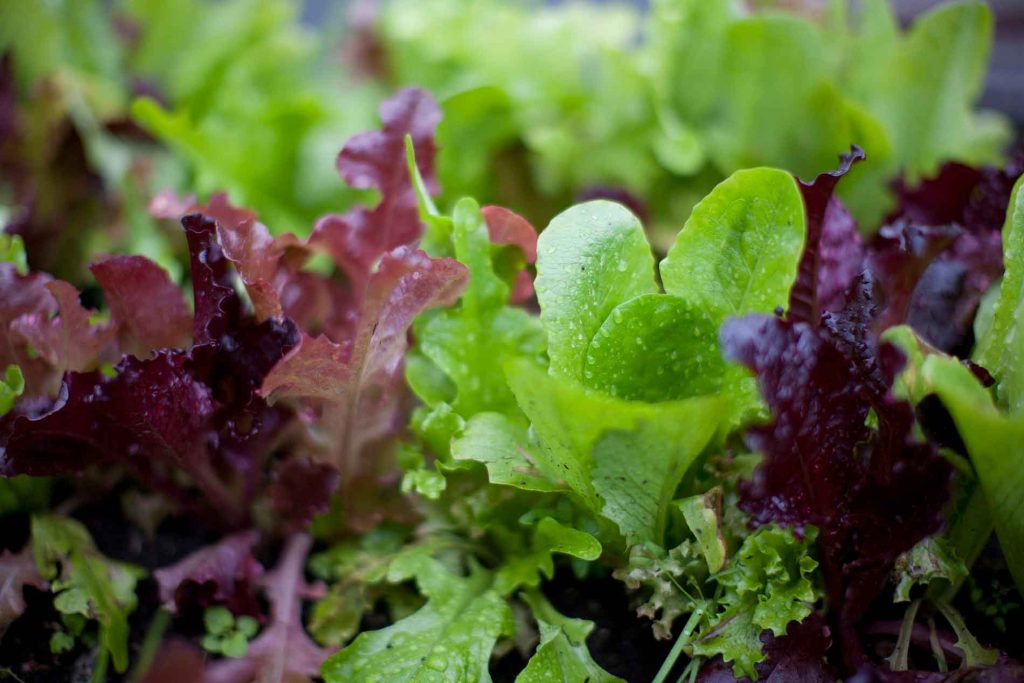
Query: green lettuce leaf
[
  {"x": 549, "y": 536},
  {"x": 1001, "y": 346},
  {"x": 739, "y": 250},
  {"x": 591, "y": 258},
  {"x": 503, "y": 446},
  {"x": 994, "y": 441},
  {"x": 562, "y": 655},
  {"x": 450, "y": 638},
  {"x": 84, "y": 582},
  {"x": 769, "y": 585},
  {"x": 469, "y": 342},
  {"x": 622, "y": 459}
]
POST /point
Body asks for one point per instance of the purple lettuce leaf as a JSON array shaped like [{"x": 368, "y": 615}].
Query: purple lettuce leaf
[
  {"x": 192, "y": 412},
  {"x": 831, "y": 245},
  {"x": 132, "y": 285},
  {"x": 301, "y": 489},
  {"x": 507, "y": 227},
  {"x": 358, "y": 382},
  {"x": 942, "y": 306},
  {"x": 898, "y": 257},
  {"x": 282, "y": 652},
  {"x": 68, "y": 341},
  {"x": 376, "y": 160},
  {"x": 17, "y": 570},
  {"x": 224, "y": 573},
  {"x": 871, "y": 492}
]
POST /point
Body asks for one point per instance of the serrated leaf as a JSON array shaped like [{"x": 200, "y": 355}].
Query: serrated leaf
[
  {"x": 466, "y": 342},
  {"x": 86, "y": 583},
  {"x": 562, "y": 654},
  {"x": 660, "y": 575},
  {"x": 766, "y": 587},
  {"x": 591, "y": 258},
  {"x": 737, "y": 639},
  {"x": 549, "y": 537},
  {"x": 448, "y": 639}
]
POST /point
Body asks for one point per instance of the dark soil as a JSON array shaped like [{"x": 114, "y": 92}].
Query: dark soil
[{"x": 621, "y": 643}]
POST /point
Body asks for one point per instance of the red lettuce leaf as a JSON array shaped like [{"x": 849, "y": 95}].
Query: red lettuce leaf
[
  {"x": 825, "y": 249},
  {"x": 942, "y": 306},
  {"x": 899, "y": 255},
  {"x": 507, "y": 227},
  {"x": 17, "y": 570},
  {"x": 282, "y": 652},
  {"x": 148, "y": 308},
  {"x": 224, "y": 573},
  {"x": 68, "y": 341},
  {"x": 302, "y": 489},
  {"x": 193, "y": 412},
  {"x": 361, "y": 378},
  {"x": 872, "y": 492},
  {"x": 376, "y": 160}
]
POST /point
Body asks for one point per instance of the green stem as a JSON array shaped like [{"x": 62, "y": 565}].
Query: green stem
[
  {"x": 974, "y": 652},
  {"x": 681, "y": 642},
  {"x": 898, "y": 659},
  {"x": 99, "y": 668},
  {"x": 933, "y": 640},
  {"x": 150, "y": 645}
]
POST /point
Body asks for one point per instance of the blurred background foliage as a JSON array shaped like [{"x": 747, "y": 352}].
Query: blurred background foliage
[{"x": 105, "y": 103}]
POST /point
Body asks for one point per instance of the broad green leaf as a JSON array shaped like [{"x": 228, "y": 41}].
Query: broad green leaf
[
  {"x": 924, "y": 92},
  {"x": 503, "y": 446},
  {"x": 448, "y": 639},
  {"x": 995, "y": 442},
  {"x": 623, "y": 459},
  {"x": 562, "y": 655},
  {"x": 656, "y": 347},
  {"x": 549, "y": 537},
  {"x": 590, "y": 259},
  {"x": 969, "y": 523},
  {"x": 85, "y": 582},
  {"x": 739, "y": 251},
  {"x": 703, "y": 514},
  {"x": 1001, "y": 348}
]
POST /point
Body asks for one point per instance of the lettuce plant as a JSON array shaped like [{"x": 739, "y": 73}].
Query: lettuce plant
[
  {"x": 669, "y": 102},
  {"x": 787, "y": 434}
]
